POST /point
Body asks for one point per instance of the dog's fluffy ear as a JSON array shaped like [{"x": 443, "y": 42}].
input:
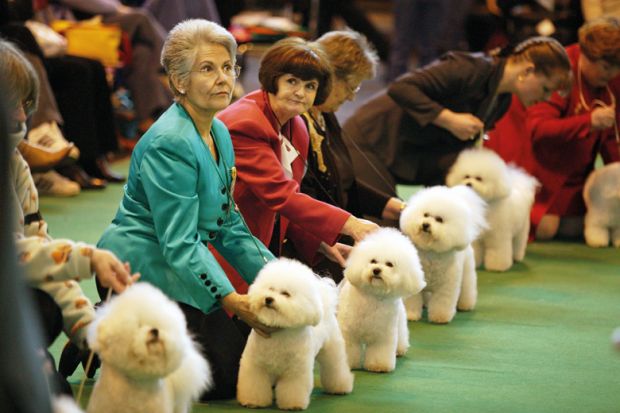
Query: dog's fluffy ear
[
  {"x": 97, "y": 336},
  {"x": 312, "y": 311},
  {"x": 314, "y": 316},
  {"x": 414, "y": 281},
  {"x": 97, "y": 332},
  {"x": 476, "y": 210}
]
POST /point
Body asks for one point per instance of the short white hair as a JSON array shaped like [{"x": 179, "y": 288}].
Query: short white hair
[{"x": 181, "y": 46}]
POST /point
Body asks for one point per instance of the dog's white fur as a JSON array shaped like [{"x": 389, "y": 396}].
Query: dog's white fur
[
  {"x": 382, "y": 269},
  {"x": 602, "y": 196},
  {"x": 288, "y": 295},
  {"x": 65, "y": 404},
  {"x": 149, "y": 363},
  {"x": 509, "y": 192},
  {"x": 442, "y": 222}
]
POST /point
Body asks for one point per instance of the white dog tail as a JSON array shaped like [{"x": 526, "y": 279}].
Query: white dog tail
[
  {"x": 190, "y": 380},
  {"x": 523, "y": 184}
]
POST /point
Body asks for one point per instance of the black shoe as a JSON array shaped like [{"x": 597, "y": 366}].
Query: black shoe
[{"x": 77, "y": 174}]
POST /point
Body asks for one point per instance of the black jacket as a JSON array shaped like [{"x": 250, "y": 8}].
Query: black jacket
[{"x": 394, "y": 128}]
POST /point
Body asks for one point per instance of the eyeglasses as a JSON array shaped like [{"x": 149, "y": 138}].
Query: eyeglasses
[
  {"x": 351, "y": 89},
  {"x": 227, "y": 70},
  {"x": 28, "y": 106}
]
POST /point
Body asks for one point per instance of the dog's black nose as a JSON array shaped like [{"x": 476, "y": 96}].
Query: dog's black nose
[
  {"x": 268, "y": 300},
  {"x": 468, "y": 184},
  {"x": 425, "y": 226},
  {"x": 154, "y": 333},
  {"x": 376, "y": 271}
]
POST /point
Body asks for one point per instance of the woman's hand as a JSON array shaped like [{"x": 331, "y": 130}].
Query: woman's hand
[
  {"x": 110, "y": 271},
  {"x": 336, "y": 253},
  {"x": 393, "y": 208},
  {"x": 239, "y": 304},
  {"x": 602, "y": 117},
  {"x": 358, "y": 228},
  {"x": 464, "y": 126}
]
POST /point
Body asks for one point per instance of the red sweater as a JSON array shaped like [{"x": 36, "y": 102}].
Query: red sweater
[{"x": 565, "y": 148}]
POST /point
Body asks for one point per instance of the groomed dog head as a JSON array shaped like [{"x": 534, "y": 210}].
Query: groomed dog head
[
  {"x": 386, "y": 264},
  {"x": 286, "y": 294},
  {"x": 140, "y": 332},
  {"x": 482, "y": 170},
  {"x": 442, "y": 219}
]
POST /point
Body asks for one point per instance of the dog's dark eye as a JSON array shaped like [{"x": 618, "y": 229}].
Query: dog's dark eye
[
  {"x": 389, "y": 264},
  {"x": 478, "y": 179},
  {"x": 439, "y": 219},
  {"x": 426, "y": 215},
  {"x": 373, "y": 261},
  {"x": 285, "y": 293},
  {"x": 466, "y": 176}
]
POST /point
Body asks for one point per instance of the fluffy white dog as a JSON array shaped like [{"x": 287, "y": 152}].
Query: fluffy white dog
[
  {"x": 602, "y": 197},
  {"x": 442, "y": 222},
  {"x": 149, "y": 363},
  {"x": 509, "y": 193},
  {"x": 381, "y": 270},
  {"x": 288, "y": 295}
]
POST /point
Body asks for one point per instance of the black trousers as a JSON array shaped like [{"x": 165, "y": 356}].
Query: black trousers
[
  {"x": 50, "y": 318},
  {"x": 83, "y": 97},
  {"x": 222, "y": 340}
]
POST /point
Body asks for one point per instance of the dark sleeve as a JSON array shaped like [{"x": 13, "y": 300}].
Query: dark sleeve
[
  {"x": 369, "y": 200},
  {"x": 421, "y": 92}
]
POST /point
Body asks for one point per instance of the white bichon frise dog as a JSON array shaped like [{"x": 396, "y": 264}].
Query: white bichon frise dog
[
  {"x": 288, "y": 295},
  {"x": 602, "y": 196},
  {"x": 509, "y": 193},
  {"x": 442, "y": 222},
  {"x": 381, "y": 270},
  {"x": 149, "y": 363}
]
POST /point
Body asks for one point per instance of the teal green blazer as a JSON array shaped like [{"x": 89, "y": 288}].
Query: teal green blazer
[{"x": 177, "y": 200}]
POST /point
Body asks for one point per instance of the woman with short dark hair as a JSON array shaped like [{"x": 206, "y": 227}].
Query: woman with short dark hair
[{"x": 271, "y": 149}]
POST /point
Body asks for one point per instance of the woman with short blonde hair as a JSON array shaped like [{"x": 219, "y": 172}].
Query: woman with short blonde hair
[{"x": 330, "y": 177}]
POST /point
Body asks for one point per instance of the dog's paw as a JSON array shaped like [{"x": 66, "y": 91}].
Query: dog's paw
[
  {"x": 414, "y": 315},
  {"x": 378, "y": 368},
  {"x": 292, "y": 405},
  {"x": 401, "y": 351},
  {"x": 440, "y": 316},
  {"x": 597, "y": 243},
  {"x": 292, "y": 408},
  {"x": 466, "y": 305},
  {"x": 254, "y": 405}
]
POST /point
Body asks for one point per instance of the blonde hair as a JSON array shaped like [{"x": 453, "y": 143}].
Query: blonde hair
[
  {"x": 302, "y": 59},
  {"x": 181, "y": 46},
  {"x": 600, "y": 39},
  {"x": 19, "y": 76},
  {"x": 350, "y": 54}
]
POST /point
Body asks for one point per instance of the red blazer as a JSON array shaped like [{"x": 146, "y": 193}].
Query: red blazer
[
  {"x": 563, "y": 146},
  {"x": 262, "y": 188}
]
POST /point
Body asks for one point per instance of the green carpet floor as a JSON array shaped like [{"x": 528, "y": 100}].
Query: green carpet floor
[{"x": 538, "y": 341}]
